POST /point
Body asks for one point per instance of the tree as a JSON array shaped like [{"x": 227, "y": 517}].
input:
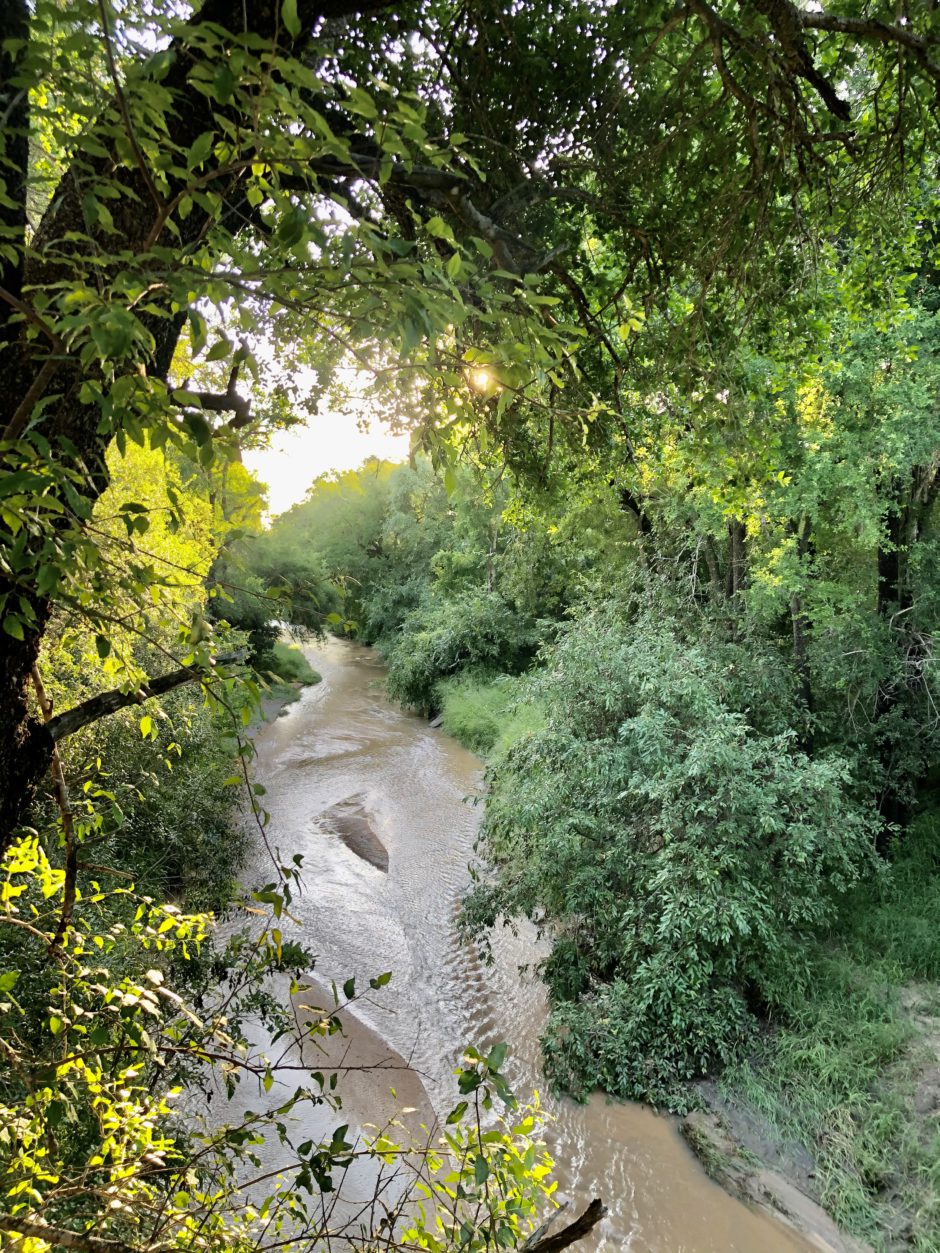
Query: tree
[{"x": 310, "y": 174}]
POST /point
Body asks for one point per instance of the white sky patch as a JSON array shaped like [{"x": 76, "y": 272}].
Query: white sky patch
[{"x": 330, "y": 441}]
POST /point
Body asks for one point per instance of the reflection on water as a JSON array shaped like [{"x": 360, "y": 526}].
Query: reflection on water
[{"x": 343, "y": 739}]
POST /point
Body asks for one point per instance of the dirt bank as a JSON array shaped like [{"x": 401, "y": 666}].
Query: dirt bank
[{"x": 722, "y": 1140}]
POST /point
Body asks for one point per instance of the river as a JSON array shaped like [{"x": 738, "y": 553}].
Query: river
[{"x": 344, "y": 739}]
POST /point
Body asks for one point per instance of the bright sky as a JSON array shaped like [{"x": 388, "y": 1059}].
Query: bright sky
[{"x": 330, "y": 441}]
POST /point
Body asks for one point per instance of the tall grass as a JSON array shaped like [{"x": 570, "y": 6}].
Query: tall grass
[
  {"x": 287, "y": 663},
  {"x": 840, "y": 1073},
  {"x": 486, "y": 714},
  {"x": 285, "y": 670}
]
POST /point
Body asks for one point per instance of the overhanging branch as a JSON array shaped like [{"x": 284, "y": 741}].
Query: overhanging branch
[
  {"x": 442, "y": 189},
  {"x": 541, "y": 1242},
  {"x": 228, "y": 401},
  {"x": 106, "y": 703},
  {"x": 59, "y": 1237}
]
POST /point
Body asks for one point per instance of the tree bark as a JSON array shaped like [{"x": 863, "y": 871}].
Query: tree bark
[{"x": 737, "y": 557}]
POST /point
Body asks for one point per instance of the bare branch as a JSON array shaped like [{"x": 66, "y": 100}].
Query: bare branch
[
  {"x": 541, "y": 1243},
  {"x": 228, "y": 401}
]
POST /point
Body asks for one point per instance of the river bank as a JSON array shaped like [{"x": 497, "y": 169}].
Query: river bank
[
  {"x": 344, "y": 742},
  {"x": 832, "y": 1118}
]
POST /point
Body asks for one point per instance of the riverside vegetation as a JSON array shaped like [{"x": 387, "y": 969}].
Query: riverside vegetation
[
  {"x": 655, "y": 289},
  {"x": 734, "y": 850}
]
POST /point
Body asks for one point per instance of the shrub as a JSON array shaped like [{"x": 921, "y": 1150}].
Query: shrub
[
  {"x": 476, "y": 631},
  {"x": 675, "y": 847},
  {"x": 177, "y": 826}
]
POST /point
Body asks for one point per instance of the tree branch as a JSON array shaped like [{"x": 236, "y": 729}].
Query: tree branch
[
  {"x": 868, "y": 28},
  {"x": 875, "y": 31},
  {"x": 58, "y": 1237},
  {"x": 786, "y": 22},
  {"x": 539, "y": 1242},
  {"x": 444, "y": 189},
  {"x": 139, "y": 157},
  {"x": 106, "y": 703},
  {"x": 228, "y": 401}
]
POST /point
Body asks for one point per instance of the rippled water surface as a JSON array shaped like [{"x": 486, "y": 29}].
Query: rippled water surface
[{"x": 343, "y": 738}]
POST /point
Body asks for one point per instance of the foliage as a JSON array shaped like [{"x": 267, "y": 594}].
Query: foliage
[
  {"x": 167, "y": 804},
  {"x": 93, "y": 1144},
  {"x": 674, "y": 269},
  {"x": 482, "y": 714},
  {"x": 675, "y": 842},
  {"x": 473, "y": 632}
]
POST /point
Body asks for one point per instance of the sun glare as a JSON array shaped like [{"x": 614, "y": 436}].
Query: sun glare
[{"x": 481, "y": 380}]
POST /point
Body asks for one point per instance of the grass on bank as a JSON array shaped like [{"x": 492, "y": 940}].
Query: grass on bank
[
  {"x": 487, "y": 714},
  {"x": 854, "y": 1072},
  {"x": 287, "y": 671}
]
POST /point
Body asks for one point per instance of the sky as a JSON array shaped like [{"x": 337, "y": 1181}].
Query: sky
[{"x": 330, "y": 441}]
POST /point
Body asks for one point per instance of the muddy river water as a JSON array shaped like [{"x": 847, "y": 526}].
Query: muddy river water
[{"x": 344, "y": 740}]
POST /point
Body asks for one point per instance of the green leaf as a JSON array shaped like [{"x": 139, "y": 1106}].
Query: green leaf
[
  {"x": 349, "y": 989},
  {"x": 200, "y": 149},
  {"x": 290, "y": 18},
  {"x": 497, "y": 1056},
  {"x": 361, "y": 102},
  {"x": 456, "y": 1114},
  {"x": 292, "y": 228},
  {"x": 224, "y": 84},
  {"x": 220, "y": 349},
  {"x": 146, "y": 727},
  {"x": 481, "y": 1169},
  {"x": 437, "y": 227}
]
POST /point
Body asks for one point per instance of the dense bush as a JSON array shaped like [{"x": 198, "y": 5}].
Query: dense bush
[
  {"x": 475, "y": 631},
  {"x": 676, "y": 843},
  {"x": 176, "y": 822}
]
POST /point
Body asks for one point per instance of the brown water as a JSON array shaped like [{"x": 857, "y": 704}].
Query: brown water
[{"x": 343, "y": 738}]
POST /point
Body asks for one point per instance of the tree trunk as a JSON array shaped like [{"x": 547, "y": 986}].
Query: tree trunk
[
  {"x": 737, "y": 557},
  {"x": 34, "y": 369},
  {"x": 907, "y": 515}
]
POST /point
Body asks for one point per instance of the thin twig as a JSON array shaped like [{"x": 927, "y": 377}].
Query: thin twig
[{"x": 125, "y": 112}]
